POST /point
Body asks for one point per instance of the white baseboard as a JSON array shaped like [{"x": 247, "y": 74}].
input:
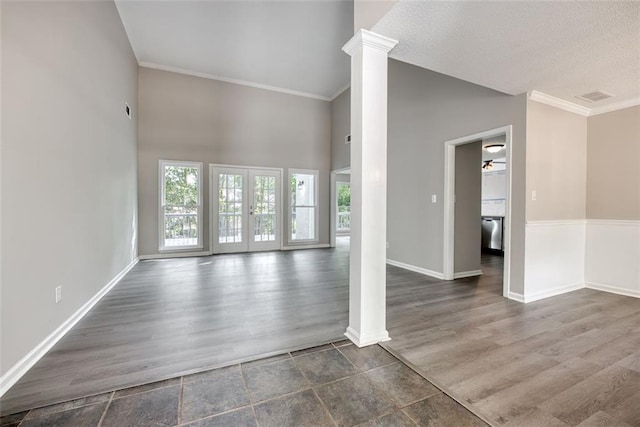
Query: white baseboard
[
  {"x": 174, "y": 255},
  {"x": 516, "y": 297},
  {"x": 296, "y": 247},
  {"x": 363, "y": 341},
  {"x": 416, "y": 269},
  {"x": 552, "y": 292},
  {"x": 463, "y": 274},
  {"x": 613, "y": 289},
  {"x": 23, "y": 365}
]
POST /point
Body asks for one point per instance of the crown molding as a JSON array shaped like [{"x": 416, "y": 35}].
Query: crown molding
[
  {"x": 177, "y": 70},
  {"x": 340, "y": 91},
  {"x": 369, "y": 39},
  {"x": 614, "y": 107},
  {"x": 543, "y": 98}
]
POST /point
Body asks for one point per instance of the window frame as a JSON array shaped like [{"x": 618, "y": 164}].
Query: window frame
[
  {"x": 162, "y": 164},
  {"x": 316, "y": 175}
]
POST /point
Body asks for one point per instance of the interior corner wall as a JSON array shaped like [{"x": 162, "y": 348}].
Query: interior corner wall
[
  {"x": 340, "y": 128},
  {"x": 557, "y": 172},
  {"x": 367, "y": 13},
  {"x": 69, "y": 164},
  {"x": 613, "y": 202},
  {"x": 196, "y": 119},
  {"x": 425, "y": 110}
]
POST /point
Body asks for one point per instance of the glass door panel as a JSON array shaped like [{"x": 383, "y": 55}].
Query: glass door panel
[
  {"x": 264, "y": 210},
  {"x": 245, "y": 209}
]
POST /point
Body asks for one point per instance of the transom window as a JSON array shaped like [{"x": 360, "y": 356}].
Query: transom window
[{"x": 180, "y": 205}]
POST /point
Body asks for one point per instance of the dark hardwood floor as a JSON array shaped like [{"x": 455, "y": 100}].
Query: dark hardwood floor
[
  {"x": 568, "y": 360},
  {"x": 169, "y": 318}
]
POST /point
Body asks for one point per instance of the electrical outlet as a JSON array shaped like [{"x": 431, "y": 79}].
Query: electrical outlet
[
  {"x": 534, "y": 195},
  {"x": 58, "y": 294},
  {"x": 387, "y": 245},
  {"x": 434, "y": 198}
]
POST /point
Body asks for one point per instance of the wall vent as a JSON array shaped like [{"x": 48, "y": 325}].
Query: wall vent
[
  {"x": 347, "y": 139},
  {"x": 596, "y": 96}
]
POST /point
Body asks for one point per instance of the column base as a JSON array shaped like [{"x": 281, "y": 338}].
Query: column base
[{"x": 368, "y": 339}]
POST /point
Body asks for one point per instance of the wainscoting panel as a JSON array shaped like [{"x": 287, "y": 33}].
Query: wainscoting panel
[
  {"x": 554, "y": 258},
  {"x": 613, "y": 256}
]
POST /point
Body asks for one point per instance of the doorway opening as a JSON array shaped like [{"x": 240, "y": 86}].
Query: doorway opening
[
  {"x": 340, "y": 224},
  {"x": 245, "y": 209},
  {"x": 501, "y": 209}
]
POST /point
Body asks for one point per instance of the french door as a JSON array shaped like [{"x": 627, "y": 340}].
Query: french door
[{"x": 245, "y": 209}]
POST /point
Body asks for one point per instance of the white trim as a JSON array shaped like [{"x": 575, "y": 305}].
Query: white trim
[
  {"x": 161, "y": 214},
  {"x": 333, "y": 211},
  {"x": 557, "y": 223},
  {"x": 23, "y": 365},
  {"x": 616, "y": 222},
  {"x": 370, "y": 39},
  {"x": 316, "y": 205},
  {"x": 612, "y": 289},
  {"x": 449, "y": 200},
  {"x": 614, "y": 107},
  {"x": 464, "y": 274},
  {"x": 363, "y": 341},
  {"x": 182, "y": 254},
  {"x": 303, "y": 246},
  {"x": 572, "y": 107},
  {"x": 553, "y": 101},
  {"x": 553, "y": 292},
  {"x": 177, "y": 70},
  {"x": 516, "y": 297},
  {"x": 416, "y": 269}
]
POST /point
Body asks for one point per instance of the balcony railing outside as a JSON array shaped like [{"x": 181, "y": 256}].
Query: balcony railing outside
[
  {"x": 344, "y": 219},
  {"x": 181, "y": 229}
]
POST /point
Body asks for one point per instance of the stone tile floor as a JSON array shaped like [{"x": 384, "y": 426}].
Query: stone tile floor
[{"x": 333, "y": 384}]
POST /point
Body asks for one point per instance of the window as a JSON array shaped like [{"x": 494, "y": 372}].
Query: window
[
  {"x": 180, "y": 205},
  {"x": 303, "y": 215}
]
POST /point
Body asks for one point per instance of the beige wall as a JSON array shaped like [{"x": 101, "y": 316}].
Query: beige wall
[
  {"x": 367, "y": 13},
  {"x": 556, "y": 163},
  {"x": 613, "y": 165},
  {"x": 425, "y": 110},
  {"x": 340, "y": 127},
  {"x": 68, "y": 163},
  {"x": 468, "y": 196},
  {"x": 194, "y": 119}
]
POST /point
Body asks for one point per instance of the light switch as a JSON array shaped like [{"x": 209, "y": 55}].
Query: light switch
[
  {"x": 434, "y": 198},
  {"x": 534, "y": 195}
]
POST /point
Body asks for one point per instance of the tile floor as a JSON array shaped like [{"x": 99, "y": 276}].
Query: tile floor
[{"x": 334, "y": 384}]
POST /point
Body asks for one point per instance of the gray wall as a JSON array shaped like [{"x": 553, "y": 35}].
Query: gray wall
[
  {"x": 425, "y": 110},
  {"x": 340, "y": 127},
  {"x": 556, "y": 163},
  {"x": 468, "y": 191},
  {"x": 613, "y": 172},
  {"x": 195, "y": 119},
  {"x": 68, "y": 163}
]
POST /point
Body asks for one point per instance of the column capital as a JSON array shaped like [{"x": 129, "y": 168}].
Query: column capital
[{"x": 370, "y": 39}]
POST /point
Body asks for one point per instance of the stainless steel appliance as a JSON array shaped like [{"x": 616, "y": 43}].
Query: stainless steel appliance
[{"x": 492, "y": 228}]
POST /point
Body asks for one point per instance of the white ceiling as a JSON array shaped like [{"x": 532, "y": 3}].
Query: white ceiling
[
  {"x": 293, "y": 45},
  {"x": 559, "y": 48}
]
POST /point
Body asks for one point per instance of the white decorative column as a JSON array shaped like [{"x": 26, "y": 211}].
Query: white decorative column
[{"x": 367, "y": 277}]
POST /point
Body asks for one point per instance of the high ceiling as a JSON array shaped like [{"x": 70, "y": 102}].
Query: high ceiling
[
  {"x": 292, "y": 45},
  {"x": 560, "y": 48}
]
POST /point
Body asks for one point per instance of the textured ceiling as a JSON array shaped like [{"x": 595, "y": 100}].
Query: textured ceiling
[
  {"x": 563, "y": 48},
  {"x": 294, "y": 45}
]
